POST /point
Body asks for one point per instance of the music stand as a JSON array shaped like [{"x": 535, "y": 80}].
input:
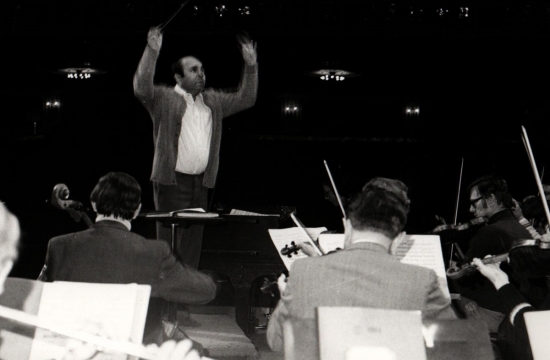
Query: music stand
[{"x": 172, "y": 221}]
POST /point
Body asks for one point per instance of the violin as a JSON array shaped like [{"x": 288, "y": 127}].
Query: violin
[
  {"x": 456, "y": 272},
  {"x": 289, "y": 250},
  {"x": 530, "y": 258},
  {"x": 460, "y": 227}
]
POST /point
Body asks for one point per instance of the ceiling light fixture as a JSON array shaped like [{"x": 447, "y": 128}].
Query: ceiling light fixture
[
  {"x": 80, "y": 72},
  {"x": 332, "y": 72}
]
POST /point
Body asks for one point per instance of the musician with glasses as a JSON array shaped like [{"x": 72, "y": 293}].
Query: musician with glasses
[{"x": 490, "y": 198}]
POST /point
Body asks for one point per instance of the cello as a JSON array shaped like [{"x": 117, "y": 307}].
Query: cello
[{"x": 60, "y": 200}]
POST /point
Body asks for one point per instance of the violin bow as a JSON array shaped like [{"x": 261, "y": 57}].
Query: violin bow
[
  {"x": 456, "y": 215},
  {"x": 163, "y": 25},
  {"x": 125, "y": 347},
  {"x": 458, "y": 191},
  {"x": 531, "y": 157},
  {"x": 335, "y": 190},
  {"x": 306, "y": 235}
]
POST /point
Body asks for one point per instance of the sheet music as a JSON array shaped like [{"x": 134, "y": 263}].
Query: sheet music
[
  {"x": 190, "y": 211},
  {"x": 421, "y": 250},
  {"x": 331, "y": 242},
  {"x": 112, "y": 310},
  {"x": 248, "y": 213},
  {"x": 283, "y": 237}
]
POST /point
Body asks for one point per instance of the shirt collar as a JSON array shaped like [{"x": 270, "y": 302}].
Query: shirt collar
[
  {"x": 187, "y": 96},
  {"x": 126, "y": 223}
]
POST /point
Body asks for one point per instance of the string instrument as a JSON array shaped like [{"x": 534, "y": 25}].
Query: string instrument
[
  {"x": 461, "y": 226},
  {"x": 60, "y": 200},
  {"x": 529, "y": 257},
  {"x": 289, "y": 250},
  {"x": 270, "y": 283}
]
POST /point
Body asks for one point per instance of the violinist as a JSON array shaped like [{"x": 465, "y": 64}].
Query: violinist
[
  {"x": 513, "y": 340},
  {"x": 364, "y": 273},
  {"x": 489, "y": 198}
]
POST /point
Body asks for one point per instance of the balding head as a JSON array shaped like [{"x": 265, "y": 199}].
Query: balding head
[{"x": 189, "y": 74}]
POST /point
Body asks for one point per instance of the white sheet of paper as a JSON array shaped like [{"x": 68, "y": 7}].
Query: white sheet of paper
[
  {"x": 423, "y": 250},
  {"x": 248, "y": 213},
  {"x": 112, "y": 310},
  {"x": 284, "y": 237}
]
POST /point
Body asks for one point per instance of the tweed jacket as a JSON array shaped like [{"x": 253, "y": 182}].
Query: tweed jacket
[
  {"x": 166, "y": 108},
  {"x": 363, "y": 275}
]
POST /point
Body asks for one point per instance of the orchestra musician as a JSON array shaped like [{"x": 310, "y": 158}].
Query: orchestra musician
[
  {"x": 513, "y": 339},
  {"x": 109, "y": 252},
  {"x": 362, "y": 274},
  {"x": 489, "y": 198},
  {"x": 9, "y": 242},
  {"x": 187, "y": 126}
]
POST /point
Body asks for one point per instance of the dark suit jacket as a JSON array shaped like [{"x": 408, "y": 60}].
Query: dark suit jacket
[
  {"x": 365, "y": 275},
  {"x": 109, "y": 253}
]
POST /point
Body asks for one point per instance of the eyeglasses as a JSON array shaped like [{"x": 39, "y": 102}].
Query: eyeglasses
[{"x": 473, "y": 202}]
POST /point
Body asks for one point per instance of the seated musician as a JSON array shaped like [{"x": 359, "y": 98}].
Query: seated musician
[
  {"x": 491, "y": 199},
  {"x": 9, "y": 241},
  {"x": 513, "y": 340},
  {"x": 363, "y": 273},
  {"x": 109, "y": 252}
]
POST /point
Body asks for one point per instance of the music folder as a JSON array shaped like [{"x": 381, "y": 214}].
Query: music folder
[
  {"x": 350, "y": 333},
  {"x": 538, "y": 326}
]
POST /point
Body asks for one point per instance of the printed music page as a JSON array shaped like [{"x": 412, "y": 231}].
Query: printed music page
[
  {"x": 423, "y": 250},
  {"x": 285, "y": 237},
  {"x": 114, "y": 311}
]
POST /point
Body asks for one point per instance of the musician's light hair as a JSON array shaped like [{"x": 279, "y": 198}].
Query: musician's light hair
[{"x": 9, "y": 235}]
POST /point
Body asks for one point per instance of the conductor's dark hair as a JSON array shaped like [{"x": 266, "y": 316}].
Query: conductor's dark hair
[
  {"x": 177, "y": 68},
  {"x": 492, "y": 184},
  {"x": 117, "y": 194},
  {"x": 377, "y": 209}
]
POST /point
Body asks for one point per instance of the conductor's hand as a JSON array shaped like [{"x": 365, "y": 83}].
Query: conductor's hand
[
  {"x": 492, "y": 272},
  {"x": 248, "y": 49},
  {"x": 154, "y": 38},
  {"x": 169, "y": 350}
]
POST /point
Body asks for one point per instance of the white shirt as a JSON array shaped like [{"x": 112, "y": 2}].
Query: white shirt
[{"x": 195, "y": 135}]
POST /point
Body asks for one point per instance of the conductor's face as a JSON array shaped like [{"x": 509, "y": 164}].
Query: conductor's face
[{"x": 193, "y": 78}]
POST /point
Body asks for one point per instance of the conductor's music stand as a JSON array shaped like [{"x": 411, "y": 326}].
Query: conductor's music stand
[{"x": 169, "y": 220}]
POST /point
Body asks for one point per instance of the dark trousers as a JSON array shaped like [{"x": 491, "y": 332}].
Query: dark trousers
[{"x": 187, "y": 193}]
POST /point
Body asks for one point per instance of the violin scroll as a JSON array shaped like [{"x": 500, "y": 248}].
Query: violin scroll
[{"x": 289, "y": 250}]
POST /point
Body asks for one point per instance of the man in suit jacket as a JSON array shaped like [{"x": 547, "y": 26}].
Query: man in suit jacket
[
  {"x": 109, "y": 253},
  {"x": 364, "y": 274}
]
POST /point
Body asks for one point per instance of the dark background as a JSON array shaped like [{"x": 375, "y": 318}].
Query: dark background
[{"x": 477, "y": 70}]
